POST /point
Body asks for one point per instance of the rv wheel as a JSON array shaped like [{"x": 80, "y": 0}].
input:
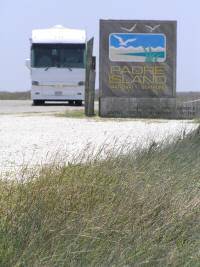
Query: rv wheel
[
  {"x": 38, "y": 102},
  {"x": 78, "y": 102},
  {"x": 71, "y": 102}
]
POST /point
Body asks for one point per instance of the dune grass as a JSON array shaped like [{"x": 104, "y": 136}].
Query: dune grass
[
  {"x": 6, "y": 95},
  {"x": 131, "y": 210}
]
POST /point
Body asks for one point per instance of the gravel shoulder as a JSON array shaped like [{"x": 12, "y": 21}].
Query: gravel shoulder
[{"x": 40, "y": 139}]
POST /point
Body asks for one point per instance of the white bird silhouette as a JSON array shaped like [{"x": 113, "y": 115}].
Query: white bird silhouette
[
  {"x": 131, "y": 29},
  {"x": 122, "y": 42},
  {"x": 152, "y": 28}
]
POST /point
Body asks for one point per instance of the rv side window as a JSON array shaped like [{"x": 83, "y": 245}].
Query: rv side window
[{"x": 58, "y": 55}]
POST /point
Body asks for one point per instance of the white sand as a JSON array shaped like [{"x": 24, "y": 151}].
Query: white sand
[{"x": 36, "y": 139}]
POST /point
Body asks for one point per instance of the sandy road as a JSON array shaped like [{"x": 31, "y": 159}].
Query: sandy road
[{"x": 25, "y": 106}]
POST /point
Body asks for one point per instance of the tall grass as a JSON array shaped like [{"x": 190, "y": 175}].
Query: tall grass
[{"x": 131, "y": 210}]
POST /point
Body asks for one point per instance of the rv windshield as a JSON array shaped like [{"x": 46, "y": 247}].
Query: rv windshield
[{"x": 58, "y": 55}]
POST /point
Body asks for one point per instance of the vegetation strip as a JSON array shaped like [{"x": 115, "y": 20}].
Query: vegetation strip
[{"x": 131, "y": 210}]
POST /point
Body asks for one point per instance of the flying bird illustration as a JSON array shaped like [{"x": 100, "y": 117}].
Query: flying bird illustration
[
  {"x": 122, "y": 42},
  {"x": 151, "y": 29},
  {"x": 131, "y": 29}
]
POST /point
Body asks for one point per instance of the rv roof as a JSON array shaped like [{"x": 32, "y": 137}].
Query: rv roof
[{"x": 58, "y": 34}]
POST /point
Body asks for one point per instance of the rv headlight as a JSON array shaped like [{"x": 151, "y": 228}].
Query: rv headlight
[
  {"x": 35, "y": 83},
  {"x": 81, "y": 83}
]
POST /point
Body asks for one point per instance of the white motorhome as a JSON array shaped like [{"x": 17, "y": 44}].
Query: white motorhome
[{"x": 57, "y": 65}]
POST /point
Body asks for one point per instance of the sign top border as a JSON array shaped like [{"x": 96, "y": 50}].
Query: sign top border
[{"x": 139, "y": 21}]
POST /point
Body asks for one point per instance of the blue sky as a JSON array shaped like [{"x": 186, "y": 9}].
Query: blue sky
[
  {"x": 146, "y": 40},
  {"x": 18, "y": 18}
]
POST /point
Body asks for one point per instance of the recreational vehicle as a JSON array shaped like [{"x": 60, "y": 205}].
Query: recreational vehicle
[{"x": 57, "y": 65}]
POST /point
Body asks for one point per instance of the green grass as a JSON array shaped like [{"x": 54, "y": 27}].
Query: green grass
[
  {"x": 128, "y": 210},
  {"x": 79, "y": 114}
]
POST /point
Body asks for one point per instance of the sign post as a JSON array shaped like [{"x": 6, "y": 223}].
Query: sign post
[{"x": 90, "y": 80}]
